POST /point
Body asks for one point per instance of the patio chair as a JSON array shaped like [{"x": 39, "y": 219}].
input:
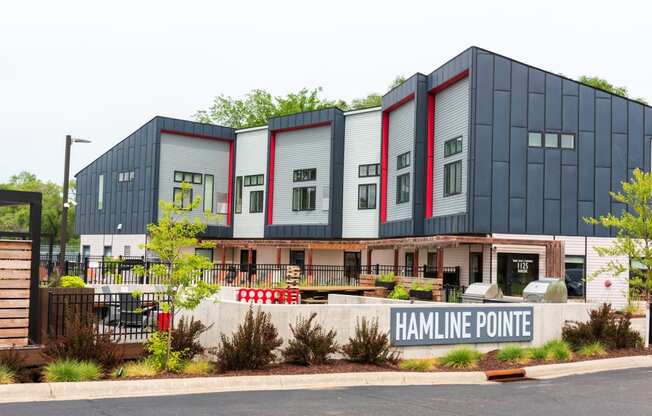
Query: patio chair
[
  {"x": 133, "y": 311},
  {"x": 112, "y": 306}
]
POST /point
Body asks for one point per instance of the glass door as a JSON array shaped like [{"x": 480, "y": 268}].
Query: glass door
[
  {"x": 475, "y": 269},
  {"x": 352, "y": 264}
]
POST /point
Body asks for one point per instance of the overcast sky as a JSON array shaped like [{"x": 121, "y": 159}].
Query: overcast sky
[{"x": 100, "y": 72}]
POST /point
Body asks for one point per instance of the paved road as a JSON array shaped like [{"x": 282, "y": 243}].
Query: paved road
[{"x": 617, "y": 393}]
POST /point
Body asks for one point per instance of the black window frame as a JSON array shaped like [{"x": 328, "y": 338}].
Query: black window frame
[
  {"x": 400, "y": 186},
  {"x": 174, "y": 198},
  {"x": 238, "y": 195},
  {"x": 529, "y": 133},
  {"x": 311, "y": 190},
  {"x": 363, "y": 170},
  {"x": 251, "y": 201},
  {"x": 458, "y": 144},
  {"x": 254, "y": 180},
  {"x": 304, "y": 175},
  {"x": 403, "y": 160},
  {"x": 194, "y": 177},
  {"x": 458, "y": 174},
  {"x": 366, "y": 187},
  {"x": 561, "y": 141}
]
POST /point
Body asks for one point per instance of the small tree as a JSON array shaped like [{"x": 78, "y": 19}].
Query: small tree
[
  {"x": 179, "y": 272},
  {"x": 634, "y": 233}
]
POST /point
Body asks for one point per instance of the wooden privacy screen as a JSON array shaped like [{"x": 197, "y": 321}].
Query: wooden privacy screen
[{"x": 15, "y": 270}]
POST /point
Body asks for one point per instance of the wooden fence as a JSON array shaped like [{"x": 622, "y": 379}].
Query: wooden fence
[{"x": 15, "y": 272}]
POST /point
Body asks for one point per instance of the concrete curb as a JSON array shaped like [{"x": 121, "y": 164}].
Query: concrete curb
[
  {"x": 173, "y": 386},
  {"x": 584, "y": 367}
]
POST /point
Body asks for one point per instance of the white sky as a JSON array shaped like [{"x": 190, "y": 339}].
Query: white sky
[{"x": 100, "y": 71}]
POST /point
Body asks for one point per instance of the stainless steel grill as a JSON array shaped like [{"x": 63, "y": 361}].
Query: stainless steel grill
[
  {"x": 481, "y": 292},
  {"x": 546, "y": 290}
]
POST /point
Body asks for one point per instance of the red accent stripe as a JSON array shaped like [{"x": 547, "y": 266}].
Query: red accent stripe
[
  {"x": 399, "y": 103},
  {"x": 229, "y": 198},
  {"x": 383, "y": 167},
  {"x": 270, "y": 178},
  {"x": 450, "y": 82}
]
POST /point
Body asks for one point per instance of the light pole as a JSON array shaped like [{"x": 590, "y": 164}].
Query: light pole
[{"x": 66, "y": 204}]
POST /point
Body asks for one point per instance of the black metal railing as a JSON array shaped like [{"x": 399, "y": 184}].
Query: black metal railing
[{"x": 123, "y": 316}]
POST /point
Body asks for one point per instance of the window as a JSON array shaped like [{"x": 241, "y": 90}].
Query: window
[
  {"x": 126, "y": 251},
  {"x": 207, "y": 253},
  {"x": 126, "y": 176},
  {"x": 403, "y": 188},
  {"x": 325, "y": 198},
  {"x": 222, "y": 202},
  {"x": 574, "y": 277},
  {"x": 453, "y": 146},
  {"x": 108, "y": 251},
  {"x": 188, "y": 177},
  {"x": 182, "y": 199},
  {"x": 178, "y": 176},
  {"x": 100, "y": 192},
  {"x": 254, "y": 180},
  {"x": 303, "y": 175},
  {"x": 403, "y": 160},
  {"x": 552, "y": 140},
  {"x": 303, "y": 199},
  {"x": 256, "y": 201},
  {"x": 567, "y": 141},
  {"x": 453, "y": 178},
  {"x": 534, "y": 139},
  {"x": 367, "y": 196},
  {"x": 86, "y": 251},
  {"x": 366, "y": 171},
  {"x": 208, "y": 193},
  {"x": 238, "y": 195}
]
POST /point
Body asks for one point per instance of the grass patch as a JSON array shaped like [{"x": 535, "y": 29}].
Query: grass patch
[
  {"x": 71, "y": 370},
  {"x": 418, "y": 364},
  {"x": 559, "y": 350},
  {"x": 513, "y": 354},
  {"x": 7, "y": 376},
  {"x": 461, "y": 358},
  {"x": 591, "y": 350},
  {"x": 198, "y": 367},
  {"x": 539, "y": 353},
  {"x": 142, "y": 368}
]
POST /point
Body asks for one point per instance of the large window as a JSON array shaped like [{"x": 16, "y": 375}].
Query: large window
[
  {"x": 453, "y": 146},
  {"x": 100, "y": 192},
  {"x": 303, "y": 199},
  {"x": 190, "y": 177},
  {"x": 238, "y": 195},
  {"x": 208, "y": 193},
  {"x": 256, "y": 201},
  {"x": 403, "y": 188},
  {"x": 453, "y": 178},
  {"x": 367, "y": 196},
  {"x": 403, "y": 160},
  {"x": 207, "y": 253},
  {"x": 366, "y": 171},
  {"x": 574, "y": 277},
  {"x": 254, "y": 180},
  {"x": 303, "y": 175},
  {"x": 182, "y": 198}
]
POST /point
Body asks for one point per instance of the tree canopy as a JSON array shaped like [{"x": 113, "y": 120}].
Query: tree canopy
[
  {"x": 603, "y": 84},
  {"x": 258, "y": 106}
]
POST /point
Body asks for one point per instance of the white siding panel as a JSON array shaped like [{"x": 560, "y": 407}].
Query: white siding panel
[
  {"x": 190, "y": 154},
  {"x": 361, "y": 147},
  {"x": 116, "y": 241},
  {"x": 451, "y": 121},
  {"x": 596, "y": 291},
  {"x": 251, "y": 159},
  {"x": 301, "y": 149},
  {"x": 401, "y": 140}
]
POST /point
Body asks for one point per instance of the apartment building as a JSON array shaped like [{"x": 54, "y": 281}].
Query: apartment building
[{"x": 485, "y": 167}]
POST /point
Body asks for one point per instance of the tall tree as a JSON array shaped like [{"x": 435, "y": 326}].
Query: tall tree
[
  {"x": 603, "y": 84},
  {"x": 374, "y": 99}
]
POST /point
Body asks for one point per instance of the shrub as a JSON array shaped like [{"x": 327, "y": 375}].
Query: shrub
[
  {"x": 252, "y": 345},
  {"x": 603, "y": 326},
  {"x": 418, "y": 364},
  {"x": 461, "y": 358},
  {"x": 310, "y": 343},
  {"x": 11, "y": 360},
  {"x": 157, "y": 348},
  {"x": 185, "y": 338},
  {"x": 399, "y": 293},
  {"x": 369, "y": 345},
  {"x": 421, "y": 285},
  {"x": 539, "y": 353},
  {"x": 513, "y": 354},
  {"x": 7, "y": 375},
  {"x": 387, "y": 278},
  {"x": 141, "y": 368},
  {"x": 71, "y": 370},
  {"x": 558, "y": 350},
  {"x": 71, "y": 281},
  {"x": 198, "y": 367},
  {"x": 82, "y": 342},
  {"x": 591, "y": 350}
]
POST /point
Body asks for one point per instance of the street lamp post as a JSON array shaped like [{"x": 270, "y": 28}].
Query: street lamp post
[{"x": 66, "y": 204}]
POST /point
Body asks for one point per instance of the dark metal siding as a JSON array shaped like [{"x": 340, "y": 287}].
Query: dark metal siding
[{"x": 517, "y": 189}]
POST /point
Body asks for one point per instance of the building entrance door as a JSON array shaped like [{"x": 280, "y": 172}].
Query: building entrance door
[
  {"x": 352, "y": 264},
  {"x": 515, "y": 271},
  {"x": 475, "y": 269},
  {"x": 298, "y": 258}
]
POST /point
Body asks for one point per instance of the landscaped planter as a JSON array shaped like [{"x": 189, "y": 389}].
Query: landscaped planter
[
  {"x": 421, "y": 294},
  {"x": 387, "y": 285}
]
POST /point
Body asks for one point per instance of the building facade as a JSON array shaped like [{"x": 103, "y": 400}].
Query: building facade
[{"x": 482, "y": 146}]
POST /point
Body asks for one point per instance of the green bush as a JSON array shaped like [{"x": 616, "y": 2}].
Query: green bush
[
  {"x": 310, "y": 343},
  {"x": 539, "y": 354},
  {"x": 157, "y": 347},
  {"x": 605, "y": 326},
  {"x": 399, "y": 293},
  {"x": 185, "y": 338},
  {"x": 369, "y": 345},
  {"x": 252, "y": 345},
  {"x": 461, "y": 358},
  {"x": 71, "y": 281},
  {"x": 7, "y": 376},
  {"x": 71, "y": 370},
  {"x": 387, "y": 278},
  {"x": 421, "y": 285},
  {"x": 558, "y": 350},
  {"x": 11, "y": 360},
  {"x": 418, "y": 364},
  {"x": 141, "y": 368},
  {"x": 198, "y": 367},
  {"x": 591, "y": 350},
  {"x": 513, "y": 354}
]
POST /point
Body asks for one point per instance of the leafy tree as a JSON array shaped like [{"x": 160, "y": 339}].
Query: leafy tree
[
  {"x": 603, "y": 84},
  {"x": 634, "y": 233},
  {"x": 180, "y": 271}
]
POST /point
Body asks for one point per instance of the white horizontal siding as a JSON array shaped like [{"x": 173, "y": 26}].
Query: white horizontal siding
[
  {"x": 596, "y": 290},
  {"x": 400, "y": 140},
  {"x": 361, "y": 147},
  {"x": 251, "y": 159}
]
